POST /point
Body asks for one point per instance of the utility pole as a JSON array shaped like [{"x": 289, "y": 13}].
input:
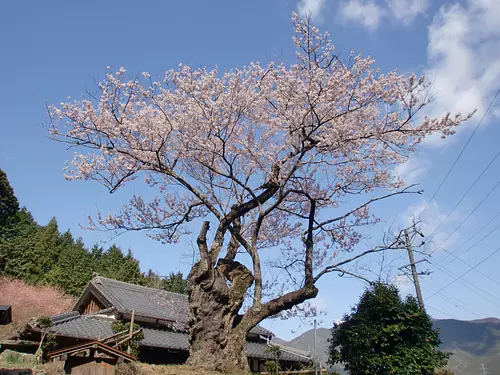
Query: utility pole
[
  {"x": 483, "y": 370},
  {"x": 315, "y": 362},
  {"x": 414, "y": 271}
]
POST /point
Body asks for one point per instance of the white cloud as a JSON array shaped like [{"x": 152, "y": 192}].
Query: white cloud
[
  {"x": 437, "y": 227},
  {"x": 406, "y": 10},
  {"x": 318, "y": 303},
  {"x": 412, "y": 171},
  {"x": 310, "y": 7},
  {"x": 464, "y": 58},
  {"x": 367, "y": 13},
  {"x": 403, "y": 283}
]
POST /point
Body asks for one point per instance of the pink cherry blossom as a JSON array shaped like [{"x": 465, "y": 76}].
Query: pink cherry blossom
[{"x": 269, "y": 153}]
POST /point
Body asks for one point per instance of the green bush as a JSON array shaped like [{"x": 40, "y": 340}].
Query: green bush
[{"x": 119, "y": 326}]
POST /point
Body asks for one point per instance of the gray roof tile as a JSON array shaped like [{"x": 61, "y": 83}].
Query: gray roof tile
[
  {"x": 147, "y": 302},
  {"x": 83, "y": 327},
  {"x": 259, "y": 350},
  {"x": 88, "y": 327},
  {"x": 151, "y": 302}
]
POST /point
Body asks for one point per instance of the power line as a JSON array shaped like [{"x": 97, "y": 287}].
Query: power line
[
  {"x": 465, "y": 273},
  {"x": 472, "y": 212},
  {"x": 467, "y": 192},
  {"x": 454, "y": 301},
  {"x": 460, "y": 154},
  {"x": 442, "y": 312},
  {"x": 467, "y": 283},
  {"x": 442, "y": 264},
  {"x": 474, "y": 235}
]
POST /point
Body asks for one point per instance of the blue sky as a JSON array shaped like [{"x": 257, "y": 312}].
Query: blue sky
[{"x": 54, "y": 49}]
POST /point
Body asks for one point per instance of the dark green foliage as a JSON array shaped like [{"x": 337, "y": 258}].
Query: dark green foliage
[
  {"x": 49, "y": 345},
  {"x": 73, "y": 268},
  {"x": 444, "y": 372},
  {"x": 16, "y": 245},
  {"x": 42, "y": 255},
  {"x": 44, "y": 322},
  {"x": 9, "y": 206},
  {"x": 115, "y": 265},
  {"x": 386, "y": 335},
  {"x": 273, "y": 366},
  {"x": 119, "y": 326},
  {"x": 174, "y": 282}
]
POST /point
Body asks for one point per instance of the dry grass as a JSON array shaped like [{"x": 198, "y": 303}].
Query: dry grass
[
  {"x": 29, "y": 301},
  {"x": 57, "y": 368},
  {"x": 52, "y": 368},
  {"x": 173, "y": 370}
]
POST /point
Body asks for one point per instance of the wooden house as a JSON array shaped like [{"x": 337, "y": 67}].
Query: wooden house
[
  {"x": 90, "y": 358},
  {"x": 163, "y": 318}
]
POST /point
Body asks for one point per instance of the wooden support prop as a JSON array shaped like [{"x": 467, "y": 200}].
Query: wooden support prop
[
  {"x": 114, "y": 337},
  {"x": 129, "y": 349},
  {"x": 127, "y": 338}
]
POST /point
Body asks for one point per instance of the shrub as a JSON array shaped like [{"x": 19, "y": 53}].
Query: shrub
[{"x": 127, "y": 369}]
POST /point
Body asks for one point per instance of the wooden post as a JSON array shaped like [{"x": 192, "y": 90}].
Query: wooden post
[
  {"x": 130, "y": 334},
  {"x": 414, "y": 272}
]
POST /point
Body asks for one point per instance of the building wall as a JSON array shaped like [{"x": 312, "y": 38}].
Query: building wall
[{"x": 91, "y": 305}]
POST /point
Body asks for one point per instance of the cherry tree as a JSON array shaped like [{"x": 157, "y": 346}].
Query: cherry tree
[{"x": 263, "y": 159}]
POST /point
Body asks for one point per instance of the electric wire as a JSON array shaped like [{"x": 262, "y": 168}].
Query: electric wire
[{"x": 460, "y": 154}]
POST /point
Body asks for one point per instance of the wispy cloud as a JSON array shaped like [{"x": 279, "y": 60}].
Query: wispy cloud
[
  {"x": 407, "y": 10},
  {"x": 437, "y": 227},
  {"x": 403, "y": 283},
  {"x": 311, "y": 8},
  {"x": 367, "y": 13},
  {"x": 412, "y": 171},
  {"x": 370, "y": 13},
  {"x": 464, "y": 58}
]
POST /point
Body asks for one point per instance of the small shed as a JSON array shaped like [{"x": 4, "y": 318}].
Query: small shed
[
  {"x": 5, "y": 314},
  {"x": 91, "y": 358}
]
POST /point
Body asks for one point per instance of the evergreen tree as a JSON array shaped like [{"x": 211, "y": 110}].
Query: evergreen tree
[
  {"x": 9, "y": 205},
  {"x": 74, "y": 267},
  {"x": 114, "y": 264},
  {"x": 45, "y": 254},
  {"x": 17, "y": 248},
  {"x": 387, "y": 335},
  {"x": 175, "y": 282},
  {"x": 42, "y": 255}
]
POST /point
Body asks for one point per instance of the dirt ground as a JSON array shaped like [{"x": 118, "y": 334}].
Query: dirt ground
[{"x": 57, "y": 368}]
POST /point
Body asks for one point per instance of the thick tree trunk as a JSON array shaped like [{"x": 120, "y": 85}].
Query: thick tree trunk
[
  {"x": 216, "y": 290},
  {"x": 215, "y": 341}
]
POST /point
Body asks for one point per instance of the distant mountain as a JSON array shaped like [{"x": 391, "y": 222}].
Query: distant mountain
[{"x": 473, "y": 343}]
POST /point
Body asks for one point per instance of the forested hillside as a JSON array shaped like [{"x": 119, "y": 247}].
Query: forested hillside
[{"x": 42, "y": 255}]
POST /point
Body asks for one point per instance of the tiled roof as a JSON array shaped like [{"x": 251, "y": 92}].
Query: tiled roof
[
  {"x": 84, "y": 328},
  {"x": 147, "y": 302},
  {"x": 150, "y": 302},
  {"x": 88, "y": 327}
]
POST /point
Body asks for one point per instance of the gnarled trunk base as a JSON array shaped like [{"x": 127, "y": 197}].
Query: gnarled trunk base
[{"x": 215, "y": 341}]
